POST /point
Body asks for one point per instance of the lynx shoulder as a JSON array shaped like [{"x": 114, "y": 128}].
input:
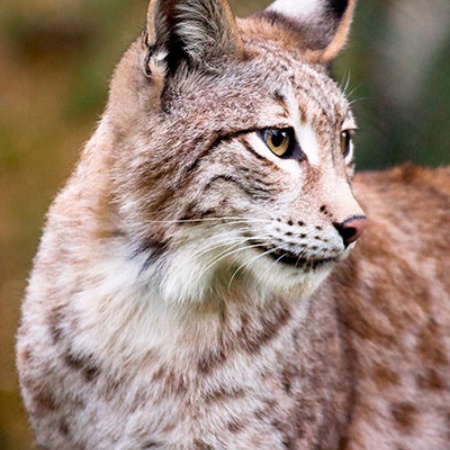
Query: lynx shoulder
[{"x": 213, "y": 276}]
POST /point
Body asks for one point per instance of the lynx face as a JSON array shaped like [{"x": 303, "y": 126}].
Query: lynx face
[{"x": 245, "y": 172}]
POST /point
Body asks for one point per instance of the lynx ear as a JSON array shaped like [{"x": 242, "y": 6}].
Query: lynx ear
[
  {"x": 199, "y": 33},
  {"x": 322, "y": 24}
]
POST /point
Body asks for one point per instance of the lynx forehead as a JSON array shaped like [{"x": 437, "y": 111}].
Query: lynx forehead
[{"x": 178, "y": 300}]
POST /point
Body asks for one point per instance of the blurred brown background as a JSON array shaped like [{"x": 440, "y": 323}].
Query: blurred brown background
[{"x": 55, "y": 60}]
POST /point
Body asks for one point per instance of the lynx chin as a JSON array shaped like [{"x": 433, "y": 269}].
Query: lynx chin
[{"x": 214, "y": 277}]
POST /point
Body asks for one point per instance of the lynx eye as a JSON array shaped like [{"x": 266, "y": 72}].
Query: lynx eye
[
  {"x": 281, "y": 142},
  {"x": 346, "y": 142}
]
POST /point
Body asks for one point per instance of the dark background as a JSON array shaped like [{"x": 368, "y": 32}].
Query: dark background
[{"x": 56, "y": 57}]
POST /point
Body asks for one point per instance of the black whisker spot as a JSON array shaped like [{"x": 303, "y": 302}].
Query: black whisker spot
[{"x": 153, "y": 250}]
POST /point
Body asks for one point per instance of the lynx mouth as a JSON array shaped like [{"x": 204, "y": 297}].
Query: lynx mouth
[{"x": 292, "y": 259}]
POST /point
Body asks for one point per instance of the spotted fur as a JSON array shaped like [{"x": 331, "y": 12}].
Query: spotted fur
[{"x": 181, "y": 297}]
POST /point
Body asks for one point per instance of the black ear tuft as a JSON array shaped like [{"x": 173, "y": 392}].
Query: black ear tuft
[
  {"x": 338, "y": 7},
  {"x": 322, "y": 26}
]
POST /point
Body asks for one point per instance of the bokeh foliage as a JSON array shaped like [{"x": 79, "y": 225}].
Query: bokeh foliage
[{"x": 56, "y": 57}]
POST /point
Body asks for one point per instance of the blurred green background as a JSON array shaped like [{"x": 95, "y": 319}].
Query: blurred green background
[{"x": 56, "y": 57}]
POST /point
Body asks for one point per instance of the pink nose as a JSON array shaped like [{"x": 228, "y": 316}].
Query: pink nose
[{"x": 351, "y": 229}]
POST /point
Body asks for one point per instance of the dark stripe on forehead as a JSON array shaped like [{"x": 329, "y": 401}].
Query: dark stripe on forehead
[
  {"x": 311, "y": 79},
  {"x": 281, "y": 101},
  {"x": 313, "y": 87},
  {"x": 279, "y": 98},
  {"x": 327, "y": 110}
]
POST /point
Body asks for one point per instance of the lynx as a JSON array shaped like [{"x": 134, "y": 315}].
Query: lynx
[{"x": 213, "y": 276}]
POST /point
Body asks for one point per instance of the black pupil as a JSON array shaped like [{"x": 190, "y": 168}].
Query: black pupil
[
  {"x": 278, "y": 138},
  {"x": 346, "y": 142}
]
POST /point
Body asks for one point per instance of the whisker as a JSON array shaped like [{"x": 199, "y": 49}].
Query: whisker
[
  {"x": 227, "y": 220},
  {"x": 223, "y": 239},
  {"x": 350, "y": 94},
  {"x": 228, "y": 246},
  {"x": 251, "y": 261},
  {"x": 344, "y": 86},
  {"x": 226, "y": 255},
  {"x": 273, "y": 264},
  {"x": 237, "y": 241}
]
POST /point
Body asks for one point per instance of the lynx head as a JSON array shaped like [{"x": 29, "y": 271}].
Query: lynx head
[{"x": 232, "y": 153}]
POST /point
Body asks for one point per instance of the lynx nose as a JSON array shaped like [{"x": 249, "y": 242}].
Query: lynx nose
[{"x": 351, "y": 229}]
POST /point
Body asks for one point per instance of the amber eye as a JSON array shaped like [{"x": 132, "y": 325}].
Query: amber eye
[
  {"x": 346, "y": 142},
  {"x": 280, "y": 141}
]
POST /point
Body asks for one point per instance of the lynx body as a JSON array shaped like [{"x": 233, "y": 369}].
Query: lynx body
[{"x": 182, "y": 297}]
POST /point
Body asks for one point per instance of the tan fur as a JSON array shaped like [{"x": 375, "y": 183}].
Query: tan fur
[
  {"x": 393, "y": 297},
  {"x": 182, "y": 297}
]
